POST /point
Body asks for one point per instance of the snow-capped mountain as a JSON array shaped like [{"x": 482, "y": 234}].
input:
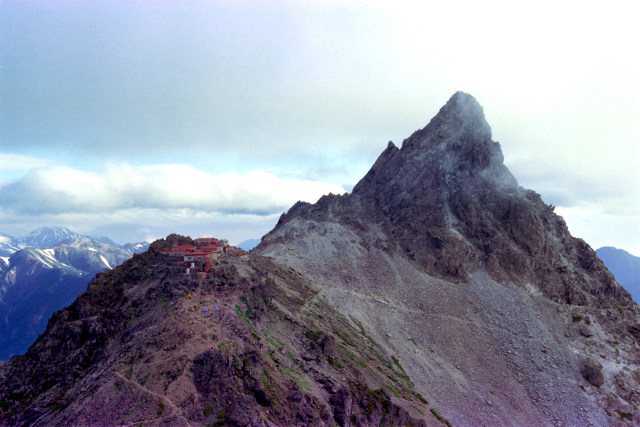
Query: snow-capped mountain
[
  {"x": 35, "y": 281},
  {"x": 9, "y": 245},
  {"x": 135, "y": 248},
  {"x": 88, "y": 255},
  {"x": 47, "y": 237}
]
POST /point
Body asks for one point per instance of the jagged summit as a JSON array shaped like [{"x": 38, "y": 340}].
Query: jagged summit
[
  {"x": 461, "y": 117},
  {"x": 448, "y": 202},
  {"x": 455, "y": 146},
  {"x": 437, "y": 290}
]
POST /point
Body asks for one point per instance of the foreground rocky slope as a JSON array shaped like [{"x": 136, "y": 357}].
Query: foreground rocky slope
[
  {"x": 249, "y": 345},
  {"x": 438, "y": 292},
  {"x": 497, "y": 313}
]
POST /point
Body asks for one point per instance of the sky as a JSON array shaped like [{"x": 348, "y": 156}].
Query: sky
[{"x": 136, "y": 119}]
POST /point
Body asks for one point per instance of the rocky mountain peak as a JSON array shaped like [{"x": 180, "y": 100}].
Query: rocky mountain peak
[
  {"x": 438, "y": 289},
  {"x": 453, "y": 149},
  {"x": 461, "y": 117},
  {"x": 446, "y": 200}
]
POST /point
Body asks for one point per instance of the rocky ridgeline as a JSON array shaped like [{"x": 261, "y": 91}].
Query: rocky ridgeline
[
  {"x": 438, "y": 292},
  {"x": 443, "y": 210},
  {"x": 147, "y": 344},
  {"x": 446, "y": 200}
]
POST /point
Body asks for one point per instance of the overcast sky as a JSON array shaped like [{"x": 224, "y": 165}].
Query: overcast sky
[{"x": 135, "y": 119}]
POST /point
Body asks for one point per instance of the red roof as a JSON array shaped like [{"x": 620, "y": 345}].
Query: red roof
[{"x": 196, "y": 254}]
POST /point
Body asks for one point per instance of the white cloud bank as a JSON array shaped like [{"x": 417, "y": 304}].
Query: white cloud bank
[
  {"x": 62, "y": 189},
  {"x": 133, "y": 203}
]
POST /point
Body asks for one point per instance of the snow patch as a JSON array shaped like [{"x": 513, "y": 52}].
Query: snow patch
[
  {"x": 105, "y": 262},
  {"x": 46, "y": 258}
]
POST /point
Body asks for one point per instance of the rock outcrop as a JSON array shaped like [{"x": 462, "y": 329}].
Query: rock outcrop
[
  {"x": 437, "y": 292},
  {"x": 446, "y": 200}
]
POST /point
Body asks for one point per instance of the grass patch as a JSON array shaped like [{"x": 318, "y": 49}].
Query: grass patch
[
  {"x": 221, "y": 418},
  {"x": 125, "y": 415},
  {"x": 392, "y": 389},
  {"x": 240, "y": 313},
  {"x": 312, "y": 335},
  {"x": 345, "y": 337},
  {"x": 625, "y": 415},
  {"x": 304, "y": 385},
  {"x": 440, "y": 417},
  {"x": 208, "y": 410},
  {"x": 160, "y": 410},
  {"x": 421, "y": 398},
  {"x": 418, "y": 410}
]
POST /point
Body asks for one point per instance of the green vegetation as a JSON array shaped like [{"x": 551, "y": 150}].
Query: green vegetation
[
  {"x": 244, "y": 314},
  {"x": 418, "y": 409},
  {"x": 304, "y": 385},
  {"x": 125, "y": 415},
  {"x": 421, "y": 398},
  {"x": 440, "y": 417},
  {"x": 345, "y": 337},
  {"x": 625, "y": 415},
  {"x": 160, "y": 410},
  {"x": 221, "y": 418},
  {"x": 575, "y": 319},
  {"x": 275, "y": 342},
  {"x": 313, "y": 335},
  {"x": 392, "y": 389},
  {"x": 241, "y": 314}
]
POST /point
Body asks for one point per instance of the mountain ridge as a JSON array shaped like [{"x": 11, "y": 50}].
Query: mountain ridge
[
  {"x": 437, "y": 290},
  {"x": 624, "y": 266},
  {"x": 35, "y": 282},
  {"x": 448, "y": 172}
]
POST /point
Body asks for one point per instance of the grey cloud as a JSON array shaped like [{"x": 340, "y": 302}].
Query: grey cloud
[{"x": 59, "y": 189}]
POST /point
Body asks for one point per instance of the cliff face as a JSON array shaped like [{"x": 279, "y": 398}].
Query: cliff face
[
  {"x": 447, "y": 202},
  {"x": 438, "y": 245},
  {"x": 439, "y": 289}
]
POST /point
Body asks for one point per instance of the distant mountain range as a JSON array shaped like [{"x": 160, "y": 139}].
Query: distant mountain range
[
  {"x": 44, "y": 272},
  {"x": 248, "y": 244},
  {"x": 625, "y": 268},
  {"x": 43, "y": 238}
]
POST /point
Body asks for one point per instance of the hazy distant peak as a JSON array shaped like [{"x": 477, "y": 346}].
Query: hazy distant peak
[{"x": 47, "y": 237}]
